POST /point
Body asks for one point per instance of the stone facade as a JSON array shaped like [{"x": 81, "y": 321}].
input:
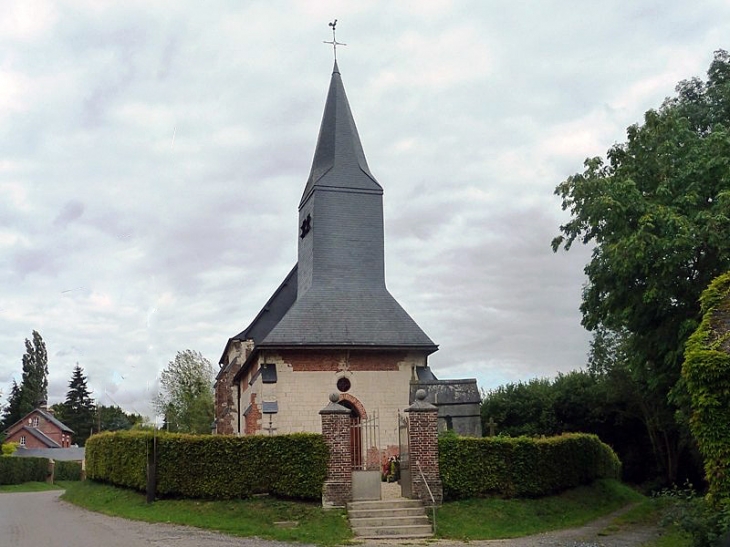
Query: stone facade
[{"x": 379, "y": 385}]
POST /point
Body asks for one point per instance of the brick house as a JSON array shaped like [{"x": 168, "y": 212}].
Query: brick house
[
  {"x": 331, "y": 326},
  {"x": 39, "y": 429}
]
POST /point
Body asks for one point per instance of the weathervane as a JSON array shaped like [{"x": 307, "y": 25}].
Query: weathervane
[{"x": 334, "y": 41}]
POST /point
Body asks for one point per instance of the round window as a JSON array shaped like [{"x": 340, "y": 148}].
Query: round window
[{"x": 343, "y": 384}]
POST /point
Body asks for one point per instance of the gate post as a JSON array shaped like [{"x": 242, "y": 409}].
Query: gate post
[
  {"x": 337, "y": 490},
  {"x": 424, "y": 449}
]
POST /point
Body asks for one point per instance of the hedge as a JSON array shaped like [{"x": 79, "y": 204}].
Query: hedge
[
  {"x": 212, "y": 466},
  {"x": 522, "y": 466},
  {"x": 19, "y": 470},
  {"x": 67, "y": 471}
]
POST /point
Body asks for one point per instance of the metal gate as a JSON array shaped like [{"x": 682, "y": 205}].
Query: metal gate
[
  {"x": 365, "y": 450},
  {"x": 406, "y": 480}
]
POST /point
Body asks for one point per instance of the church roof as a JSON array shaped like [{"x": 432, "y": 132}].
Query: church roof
[
  {"x": 339, "y": 161},
  {"x": 366, "y": 318},
  {"x": 272, "y": 312}
]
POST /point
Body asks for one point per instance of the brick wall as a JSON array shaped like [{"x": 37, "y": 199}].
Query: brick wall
[
  {"x": 337, "y": 489},
  {"x": 226, "y": 394},
  {"x": 423, "y": 447}
]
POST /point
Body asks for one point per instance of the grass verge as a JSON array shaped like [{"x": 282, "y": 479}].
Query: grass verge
[
  {"x": 29, "y": 487},
  {"x": 252, "y": 517},
  {"x": 492, "y": 518}
]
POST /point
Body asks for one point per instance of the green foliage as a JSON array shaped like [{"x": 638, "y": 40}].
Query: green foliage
[
  {"x": 186, "y": 396},
  {"x": 8, "y": 449},
  {"x": 33, "y": 389},
  {"x": 67, "y": 471},
  {"x": 706, "y": 372},
  {"x": 705, "y": 523},
  {"x": 19, "y": 470},
  {"x": 522, "y": 466},
  {"x": 656, "y": 212},
  {"x": 113, "y": 418},
  {"x": 77, "y": 411},
  {"x": 606, "y": 404},
  {"x": 291, "y": 466}
]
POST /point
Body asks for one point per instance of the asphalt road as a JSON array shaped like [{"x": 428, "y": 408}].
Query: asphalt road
[{"x": 41, "y": 519}]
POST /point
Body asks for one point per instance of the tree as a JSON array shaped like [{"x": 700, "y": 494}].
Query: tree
[
  {"x": 113, "y": 418},
  {"x": 78, "y": 410},
  {"x": 186, "y": 396},
  {"x": 33, "y": 389},
  {"x": 657, "y": 215}
]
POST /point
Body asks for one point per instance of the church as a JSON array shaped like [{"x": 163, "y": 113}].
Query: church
[{"x": 332, "y": 326}]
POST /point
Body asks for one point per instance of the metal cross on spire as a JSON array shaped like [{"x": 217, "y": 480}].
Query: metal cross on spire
[{"x": 334, "y": 43}]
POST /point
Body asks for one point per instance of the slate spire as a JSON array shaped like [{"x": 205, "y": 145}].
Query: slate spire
[
  {"x": 341, "y": 297},
  {"x": 339, "y": 160}
]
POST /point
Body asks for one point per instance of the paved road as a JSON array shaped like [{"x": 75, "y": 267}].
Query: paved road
[{"x": 41, "y": 519}]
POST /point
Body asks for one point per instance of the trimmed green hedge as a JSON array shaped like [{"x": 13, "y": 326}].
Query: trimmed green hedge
[
  {"x": 212, "y": 466},
  {"x": 522, "y": 467},
  {"x": 67, "y": 471},
  {"x": 19, "y": 470}
]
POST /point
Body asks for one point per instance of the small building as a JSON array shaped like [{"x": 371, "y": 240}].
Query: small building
[{"x": 39, "y": 429}]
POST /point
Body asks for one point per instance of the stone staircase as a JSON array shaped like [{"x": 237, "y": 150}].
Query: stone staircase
[{"x": 389, "y": 519}]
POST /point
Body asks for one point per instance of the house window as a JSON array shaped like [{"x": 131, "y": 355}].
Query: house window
[
  {"x": 35, "y": 421},
  {"x": 22, "y": 440}
]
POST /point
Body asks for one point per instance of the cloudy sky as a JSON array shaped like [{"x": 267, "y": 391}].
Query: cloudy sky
[{"x": 152, "y": 157}]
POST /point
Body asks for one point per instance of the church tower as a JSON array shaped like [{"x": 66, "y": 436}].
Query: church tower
[
  {"x": 332, "y": 325},
  {"x": 342, "y": 299}
]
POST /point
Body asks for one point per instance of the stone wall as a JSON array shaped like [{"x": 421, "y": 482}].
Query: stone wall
[
  {"x": 226, "y": 394},
  {"x": 379, "y": 380}
]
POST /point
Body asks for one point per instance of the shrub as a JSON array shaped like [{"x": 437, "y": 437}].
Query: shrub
[
  {"x": 708, "y": 524},
  {"x": 706, "y": 373},
  {"x": 20, "y": 470},
  {"x": 67, "y": 471},
  {"x": 205, "y": 466},
  {"x": 522, "y": 466},
  {"x": 8, "y": 449}
]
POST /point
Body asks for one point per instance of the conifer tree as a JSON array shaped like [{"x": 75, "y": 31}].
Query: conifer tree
[{"x": 77, "y": 411}]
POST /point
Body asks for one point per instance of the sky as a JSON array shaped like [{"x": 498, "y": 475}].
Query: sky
[{"x": 153, "y": 154}]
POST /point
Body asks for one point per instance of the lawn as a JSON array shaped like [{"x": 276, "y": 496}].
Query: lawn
[
  {"x": 29, "y": 487},
  {"x": 462, "y": 520},
  {"x": 251, "y": 517},
  {"x": 495, "y": 518}
]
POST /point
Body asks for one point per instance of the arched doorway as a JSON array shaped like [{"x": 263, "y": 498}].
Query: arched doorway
[{"x": 355, "y": 434}]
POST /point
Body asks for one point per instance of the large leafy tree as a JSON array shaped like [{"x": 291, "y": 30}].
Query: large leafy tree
[
  {"x": 78, "y": 410},
  {"x": 657, "y": 213},
  {"x": 33, "y": 389},
  {"x": 186, "y": 393}
]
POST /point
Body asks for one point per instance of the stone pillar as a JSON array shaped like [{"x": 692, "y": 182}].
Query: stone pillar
[
  {"x": 337, "y": 490},
  {"x": 423, "y": 449}
]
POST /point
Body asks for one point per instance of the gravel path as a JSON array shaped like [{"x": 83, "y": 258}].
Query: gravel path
[{"x": 41, "y": 519}]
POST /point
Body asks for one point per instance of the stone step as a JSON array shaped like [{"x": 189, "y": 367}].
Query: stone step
[
  {"x": 393, "y": 519},
  {"x": 394, "y": 532},
  {"x": 372, "y": 513},
  {"x": 370, "y": 522},
  {"x": 385, "y": 504}
]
